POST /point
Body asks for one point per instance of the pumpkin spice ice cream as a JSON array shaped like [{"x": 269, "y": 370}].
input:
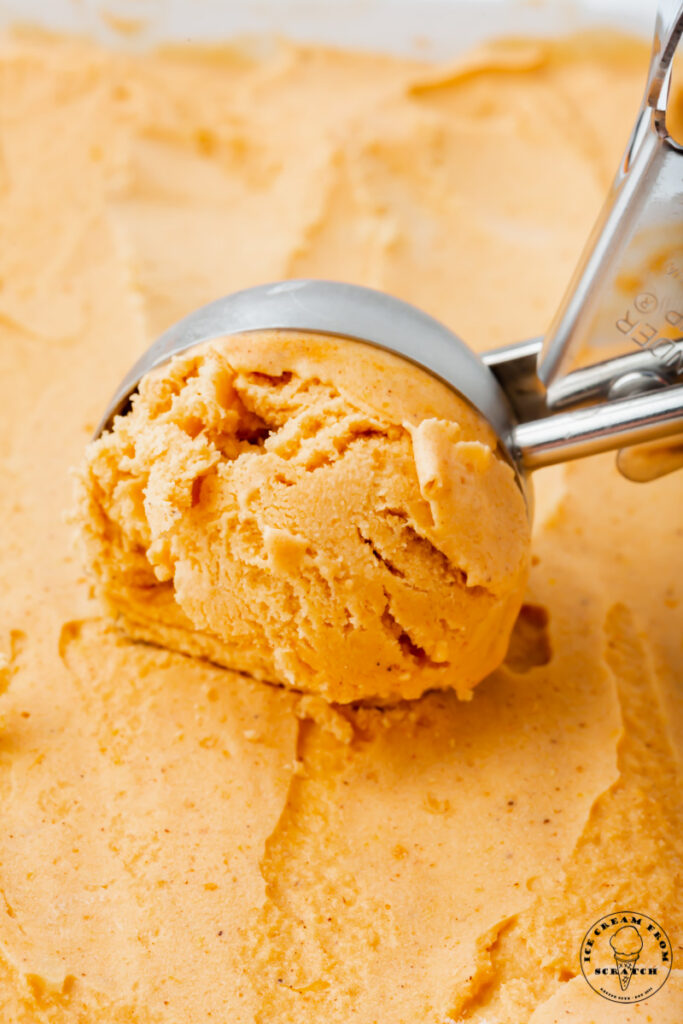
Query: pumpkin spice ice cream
[
  {"x": 182, "y": 843},
  {"x": 312, "y": 512}
]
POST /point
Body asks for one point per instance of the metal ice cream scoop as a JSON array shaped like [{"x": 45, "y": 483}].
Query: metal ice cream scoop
[{"x": 626, "y": 297}]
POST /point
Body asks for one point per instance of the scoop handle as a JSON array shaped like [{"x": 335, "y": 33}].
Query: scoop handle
[
  {"x": 634, "y": 399},
  {"x": 638, "y": 237},
  {"x": 626, "y": 296},
  {"x": 593, "y": 429}
]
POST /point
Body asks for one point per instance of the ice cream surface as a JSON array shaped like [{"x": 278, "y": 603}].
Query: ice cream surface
[
  {"x": 311, "y": 511},
  {"x": 181, "y": 843}
]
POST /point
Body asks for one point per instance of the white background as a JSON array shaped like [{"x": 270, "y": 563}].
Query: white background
[{"x": 401, "y": 26}]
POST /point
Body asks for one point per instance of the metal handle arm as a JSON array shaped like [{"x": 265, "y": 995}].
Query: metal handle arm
[
  {"x": 641, "y": 220},
  {"x": 593, "y": 429}
]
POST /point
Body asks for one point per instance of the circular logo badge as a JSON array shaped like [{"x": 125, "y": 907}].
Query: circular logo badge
[{"x": 626, "y": 957}]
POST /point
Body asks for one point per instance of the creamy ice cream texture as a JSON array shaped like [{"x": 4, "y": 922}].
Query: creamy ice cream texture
[
  {"x": 182, "y": 843},
  {"x": 310, "y": 511}
]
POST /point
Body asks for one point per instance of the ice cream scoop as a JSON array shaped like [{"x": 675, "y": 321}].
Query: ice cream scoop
[
  {"x": 321, "y": 485},
  {"x": 626, "y": 298},
  {"x": 312, "y": 511}
]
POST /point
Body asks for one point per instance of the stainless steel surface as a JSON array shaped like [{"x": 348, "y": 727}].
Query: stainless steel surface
[
  {"x": 628, "y": 287},
  {"x": 627, "y": 292},
  {"x": 515, "y": 369},
  {"x": 625, "y": 400},
  {"x": 601, "y": 428},
  {"x": 601, "y": 379}
]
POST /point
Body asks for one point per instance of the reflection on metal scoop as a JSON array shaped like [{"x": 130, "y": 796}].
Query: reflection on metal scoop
[
  {"x": 626, "y": 295},
  {"x": 539, "y": 416}
]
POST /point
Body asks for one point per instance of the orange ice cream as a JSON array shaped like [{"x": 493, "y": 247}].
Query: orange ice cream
[
  {"x": 312, "y": 512},
  {"x": 182, "y": 843}
]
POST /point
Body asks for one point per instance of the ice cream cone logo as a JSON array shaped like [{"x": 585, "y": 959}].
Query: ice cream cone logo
[
  {"x": 627, "y": 944},
  {"x": 626, "y": 957}
]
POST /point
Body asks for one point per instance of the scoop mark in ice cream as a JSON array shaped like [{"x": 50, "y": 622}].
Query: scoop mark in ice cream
[
  {"x": 310, "y": 511},
  {"x": 626, "y": 957},
  {"x": 530, "y": 645}
]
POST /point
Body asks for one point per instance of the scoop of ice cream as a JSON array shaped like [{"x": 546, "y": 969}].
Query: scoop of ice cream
[
  {"x": 626, "y": 941},
  {"x": 313, "y": 512}
]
